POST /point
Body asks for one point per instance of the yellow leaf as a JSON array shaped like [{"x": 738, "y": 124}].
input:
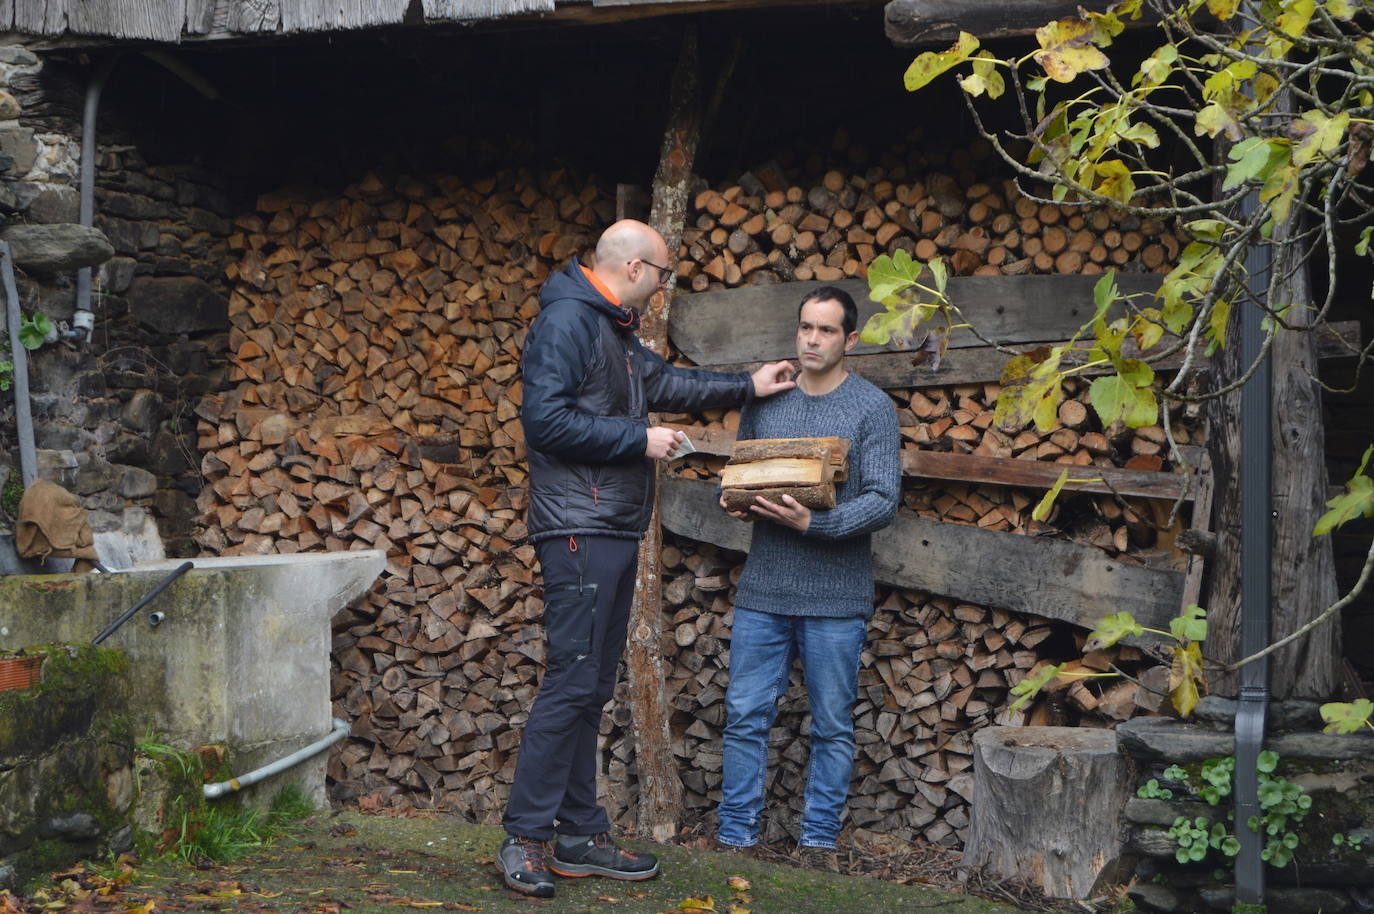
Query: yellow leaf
[
  {"x": 698, "y": 904},
  {"x": 738, "y": 883},
  {"x": 931, "y": 64},
  {"x": 1222, "y": 9},
  {"x": 1042, "y": 510},
  {"x": 1117, "y": 181},
  {"x": 426, "y": 904},
  {"x": 738, "y": 909},
  {"x": 1186, "y": 677},
  {"x": 1067, "y": 49}
]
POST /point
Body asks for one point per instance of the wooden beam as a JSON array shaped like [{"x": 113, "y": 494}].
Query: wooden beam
[
  {"x": 760, "y": 322},
  {"x": 999, "y": 471},
  {"x": 984, "y": 364},
  {"x": 913, "y": 23},
  {"x": 1047, "y": 577}
]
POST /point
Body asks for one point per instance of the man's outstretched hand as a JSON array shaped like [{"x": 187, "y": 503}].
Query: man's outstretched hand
[
  {"x": 773, "y": 378},
  {"x": 789, "y": 512},
  {"x": 662, "y": 442}
]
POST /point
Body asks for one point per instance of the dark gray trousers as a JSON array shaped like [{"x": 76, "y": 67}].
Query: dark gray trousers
[{"x": 588, "y": 587}]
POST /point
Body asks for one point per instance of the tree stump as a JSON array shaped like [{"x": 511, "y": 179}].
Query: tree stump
[{"x": 1047, "y": 807}]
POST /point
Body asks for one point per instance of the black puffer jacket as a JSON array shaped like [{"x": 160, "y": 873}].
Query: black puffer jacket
[{"x": 588, "y": 388}]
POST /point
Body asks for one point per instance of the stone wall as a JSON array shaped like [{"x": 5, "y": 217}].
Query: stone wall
[
  {"x": 66, "y": 754},
  {"x": 112, "y": 413},
  {"x": 1335, "y": 771}
]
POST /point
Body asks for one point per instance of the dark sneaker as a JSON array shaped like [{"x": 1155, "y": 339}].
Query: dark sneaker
[
  {"x": 819, "y": 858},
  {"x": 523, "y": 863},
  {"x": 598, "y": 855}
]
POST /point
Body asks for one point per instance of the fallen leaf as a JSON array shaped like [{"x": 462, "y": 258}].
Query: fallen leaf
[
  {"x": 698, "y": 904},
  {"x": 738, "y": 883}
]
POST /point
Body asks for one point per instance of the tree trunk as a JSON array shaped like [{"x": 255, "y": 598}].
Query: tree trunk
[
  {"x": 1047, "y": 807},
  {"x": 660, "y": 787}
]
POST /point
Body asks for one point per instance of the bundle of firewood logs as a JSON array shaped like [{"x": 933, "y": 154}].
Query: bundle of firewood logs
[
  {"x": 375, "y": 347},
  {"x": 804, "y": 468}
]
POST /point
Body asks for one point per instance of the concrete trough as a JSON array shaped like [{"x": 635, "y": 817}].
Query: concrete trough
[{"x": 239, "y": 655}]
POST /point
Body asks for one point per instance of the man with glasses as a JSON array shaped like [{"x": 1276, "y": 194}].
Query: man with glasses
[{"x": 588, "y": 389}]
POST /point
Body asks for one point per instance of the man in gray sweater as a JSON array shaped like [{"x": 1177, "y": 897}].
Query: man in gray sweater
[{"x": 807, "y": 587}]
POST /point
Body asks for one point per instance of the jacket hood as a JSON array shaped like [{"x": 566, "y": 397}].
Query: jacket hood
[{"x": 571, "y": 282}]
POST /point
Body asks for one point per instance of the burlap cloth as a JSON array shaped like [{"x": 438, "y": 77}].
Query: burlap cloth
[{"x": 53, "y": 523}]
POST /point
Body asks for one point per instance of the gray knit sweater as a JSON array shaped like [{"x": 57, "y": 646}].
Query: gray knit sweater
[{"x": 828, "y": 570}]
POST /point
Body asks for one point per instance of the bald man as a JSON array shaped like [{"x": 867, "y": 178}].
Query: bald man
[{"x": 588, "y": 389}]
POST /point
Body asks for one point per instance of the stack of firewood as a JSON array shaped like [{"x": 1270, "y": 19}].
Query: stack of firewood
[
  {"x": 375, "y": 349},
  {"x": 762, "y": 230}
]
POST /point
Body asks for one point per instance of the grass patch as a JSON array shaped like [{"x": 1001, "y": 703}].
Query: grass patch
[{"x": 220, "y": 832}]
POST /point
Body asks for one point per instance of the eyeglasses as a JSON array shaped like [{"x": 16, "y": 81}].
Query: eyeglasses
[{"x": 665, "y": 275}]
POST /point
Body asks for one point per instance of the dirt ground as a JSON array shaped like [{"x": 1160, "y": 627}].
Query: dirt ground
[{"x": 350, "y": 862}]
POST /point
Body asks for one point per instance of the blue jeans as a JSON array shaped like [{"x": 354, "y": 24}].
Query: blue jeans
[{"x": 762, "y": 646}]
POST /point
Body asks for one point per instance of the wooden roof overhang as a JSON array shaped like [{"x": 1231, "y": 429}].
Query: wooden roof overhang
[{"x": 75, "y": 24}]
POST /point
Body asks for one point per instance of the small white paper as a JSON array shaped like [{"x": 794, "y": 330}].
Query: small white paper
[{"x": 684, "y": 448}]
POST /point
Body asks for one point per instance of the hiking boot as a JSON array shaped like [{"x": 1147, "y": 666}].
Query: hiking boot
[
  {"x": 523, "y": 864},
  {"x": 819, "y": 858},
  {"x": 598, "y": 855},
  {"x": 746, "y": 851}
]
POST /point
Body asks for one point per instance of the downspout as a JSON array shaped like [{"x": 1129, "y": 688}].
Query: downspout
[
  {"x": 83, "y": 321},
  {"x": 23, "y": 409},
  {"x": 339, "y": 731},
  {"x": 1256, "y": 535}
]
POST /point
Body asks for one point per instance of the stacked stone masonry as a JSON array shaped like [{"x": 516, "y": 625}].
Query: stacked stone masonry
[{"x": 112, "y": 414}]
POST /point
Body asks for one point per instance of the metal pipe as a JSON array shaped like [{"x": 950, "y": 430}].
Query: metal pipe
[
  {"x": 339, "y": 731},
  {"x": 84, "y": 319},
  {"x": 1256, "y": 540},
  {"x": 19, "y": 357},
  {"x": 147, "y": 598}
]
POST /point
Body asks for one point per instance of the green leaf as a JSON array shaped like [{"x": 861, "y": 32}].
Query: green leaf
[
  {"x": 1362, "y": 246},
  {"x": 1067, "y": 49},
  {"x": 1042, "y": 510},
  {"x": 1254, "y": 159},
  {"x": 1220, "y": 320},
  {"x": 888, "y": 276},
  {"x": 1186, "y": 677},
  {"x": 1318, "y": 135},
  {"x": 1190, "y": 625},
  {"x": 1341, "y": 9},
  {"x": 985, "y": 77},
  {"x": 33, "y": 331},
  {"x": 931, "y": 64},
  {"x": 1267, "y": 761},
  {"x": 1347, "y": 716},
  {"x": 1157, "y": 67},
  {"x": 1356, "y": 501},
  {"x": 1026, "y": 690},
  {"x": 1111, "y": 629},
  {"x": 1216, "y": 119}
]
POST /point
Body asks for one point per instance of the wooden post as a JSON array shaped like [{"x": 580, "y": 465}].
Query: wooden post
[
  {"x": 660, "y": 788},
  {"x": 1303, "y": 577}
]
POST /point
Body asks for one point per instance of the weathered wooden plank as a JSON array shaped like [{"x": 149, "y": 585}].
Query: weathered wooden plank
[
  {"x": 1035, "y": 474},
  {"x": 472, "y": 10},
  {"x": 707, "y": 327},
  {"x": 1050, "y": 578},
  {"x": 982, "y": 364},
  {"x": 157, "y": 20},
  {"x": 249, "y": 16},
  {"x": 6, "y": 15},
  {"x": 40, "y": 17},
  {"x": 328, "y": 15},
  {"x": 1000, "y": 471},
  {"x": 909, "y": 23}
]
